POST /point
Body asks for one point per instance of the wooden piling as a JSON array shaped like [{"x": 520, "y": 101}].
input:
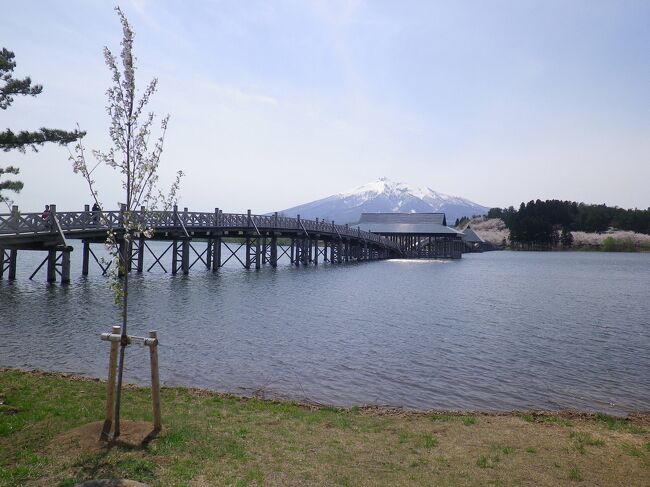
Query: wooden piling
[
  {"x": 85, "y": 255},
  {"x": 110, "y": 386},
  {"x": 140, "y": 267},
  {"x": 208, "y": 254},
  {"x": 121, "y": 249},
  {"x": 264, "y": 251},
  {"x": 247, "y": 264},
  {"x": 13, "y": 259},
  {"x": 274, "y": 250},
  {"x": 216, "y": 253},
  {"x": 51, "y": 265},
  {"x": 174, "y": 257},
  {"x": 258, "y": 257},
  {"x": 155, "y": 381},
  {"x": 65, "y": 266},
  {"x": 185, "y": 256}
]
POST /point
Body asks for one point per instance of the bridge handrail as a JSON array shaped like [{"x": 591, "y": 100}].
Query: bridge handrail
[{"x": 12, "y": 224}]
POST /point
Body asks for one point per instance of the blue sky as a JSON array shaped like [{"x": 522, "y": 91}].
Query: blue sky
[{"x": 277, "y": 103}]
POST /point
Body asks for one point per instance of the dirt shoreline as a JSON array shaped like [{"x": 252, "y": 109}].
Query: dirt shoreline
[{"x": 638, "y": 417}]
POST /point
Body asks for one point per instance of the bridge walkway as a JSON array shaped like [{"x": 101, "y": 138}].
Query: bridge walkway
[{"x": 210, "y": 239}]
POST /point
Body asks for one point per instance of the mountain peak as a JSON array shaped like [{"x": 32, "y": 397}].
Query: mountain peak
[
  {"x": 384, "y": 195},
  {"x": 388, "y": 187}
]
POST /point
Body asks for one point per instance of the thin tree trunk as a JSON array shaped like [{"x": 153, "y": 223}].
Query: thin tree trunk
[{"x": 123, "y": 339}]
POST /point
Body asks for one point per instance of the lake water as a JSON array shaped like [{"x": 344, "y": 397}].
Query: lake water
[{"x": 493, "y": 331}]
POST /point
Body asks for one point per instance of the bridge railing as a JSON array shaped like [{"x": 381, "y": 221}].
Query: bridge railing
[{"x": 17, "y": 223}]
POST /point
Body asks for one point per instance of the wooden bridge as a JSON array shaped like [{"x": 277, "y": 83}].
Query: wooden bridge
[{"x": 208, "y": 239}]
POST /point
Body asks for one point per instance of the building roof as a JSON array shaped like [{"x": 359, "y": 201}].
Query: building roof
[
  {"x": 406, "y": 223},
  {"x": 470, "y": 236},
  {"x": 411, "y": 218}
]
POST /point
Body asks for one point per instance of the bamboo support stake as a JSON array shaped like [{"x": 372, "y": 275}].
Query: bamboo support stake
[
  {"x": 110, "y": 387},
  {"x": 155, "y": 381}
]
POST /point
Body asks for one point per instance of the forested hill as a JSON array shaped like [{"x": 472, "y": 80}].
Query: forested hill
[{"x": 550, "y": 222}]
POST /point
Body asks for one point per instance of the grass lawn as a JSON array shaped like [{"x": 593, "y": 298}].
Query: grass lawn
[{"x": 46, "y": 438}]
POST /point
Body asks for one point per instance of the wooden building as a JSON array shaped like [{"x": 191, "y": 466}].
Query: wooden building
[
  {"x": 473, "y": 243},
  {"x": 419, "y": 235}
]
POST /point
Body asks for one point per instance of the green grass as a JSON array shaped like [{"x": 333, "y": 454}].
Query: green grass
[
  {"x": 507, "y": 450},
  {"x": 631, "y": 450},
  {"x": 619, "y": 424},
  {"x": 429, "y": 441},
  {"x": 213, "y": 439},
  {"x": 582, "y": 439},
  {"x": 488, "y": 461},
  {"x": 442, "y": 418},
  {"x": 546, "y": 419},
  {"x": 574, "y": 474}
]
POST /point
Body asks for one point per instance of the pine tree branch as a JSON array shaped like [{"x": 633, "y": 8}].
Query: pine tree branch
[
  {"x": 24, "y": 139},
  {"x": 13, "y": 86}
]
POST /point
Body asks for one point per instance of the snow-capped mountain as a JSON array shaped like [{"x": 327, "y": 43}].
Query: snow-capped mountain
[{"x": 384, "y": 195}]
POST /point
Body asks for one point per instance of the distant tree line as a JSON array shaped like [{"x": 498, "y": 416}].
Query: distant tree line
[
  {"x": 464, "y": 220},
  {"x": 550, "y": 223}
]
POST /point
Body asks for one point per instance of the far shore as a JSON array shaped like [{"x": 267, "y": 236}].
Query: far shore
[
  {"x": 49, "y": 426},
  {"x": 495, "y": 232}
]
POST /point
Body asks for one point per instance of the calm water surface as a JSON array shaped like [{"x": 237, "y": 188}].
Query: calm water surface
[{"x": 493, "y": 331}]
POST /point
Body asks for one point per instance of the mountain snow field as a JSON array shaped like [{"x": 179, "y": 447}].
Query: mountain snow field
[{"x": 386, "y": 196}]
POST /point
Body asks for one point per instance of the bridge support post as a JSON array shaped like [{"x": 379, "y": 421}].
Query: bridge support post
[
  {"x": 121, "y": 249},
  {"x": 140, "y": 267},
  {"x": 208, "y": 254},
  {"x": 274, "y": 251},
  {"x": 291, "y": 256},
  {"x": 306, "y": 251},
  {"x": 339, "y": 253},
  {"x": 185, "y": 256},
  {"x": 174, "y": 257},
  {"x": 265, "y": 249},
  {"x": 51, "y": 265},
  {"x": 85, "y": 258},
  {"x": 216, "y": 253},
  {"x": 13, "y": 258},
  {"x": 247, "y": 265},
  {"x": 130, "y": 254},
  {"x": 258, "y": 257},
  {"x": 3, "y": 261},
  {"x": 316, "y": 251},
  {"x": 65, "y": 266}
]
